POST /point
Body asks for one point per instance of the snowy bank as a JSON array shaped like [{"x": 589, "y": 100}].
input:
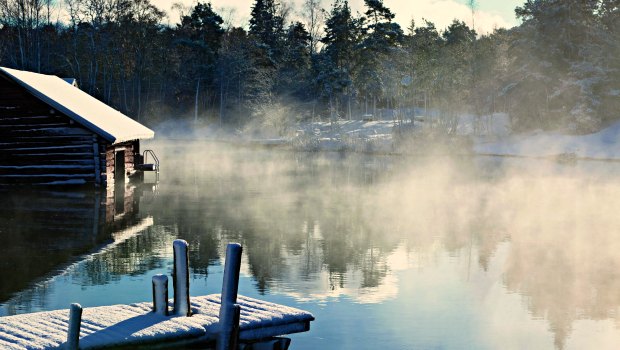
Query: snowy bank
[
  {"x": 604, "y": 144},
  {"x": 492, "y": 137}
]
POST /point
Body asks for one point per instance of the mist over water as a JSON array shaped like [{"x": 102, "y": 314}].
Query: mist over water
[{"x": 401, "y": 252}]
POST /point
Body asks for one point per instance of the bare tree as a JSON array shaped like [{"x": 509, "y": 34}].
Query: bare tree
[{"x": 314, "y": 17}]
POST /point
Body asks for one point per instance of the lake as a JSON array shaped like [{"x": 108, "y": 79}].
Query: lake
[{"x": 386, "y": 251}]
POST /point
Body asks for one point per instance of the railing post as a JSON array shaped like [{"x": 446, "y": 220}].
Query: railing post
[
  {"x": 160, "y": 294},
  {"x": 73, "y": 334},
  {"x": 180, "y": 278},
  {"x": 229, "y": 310}
]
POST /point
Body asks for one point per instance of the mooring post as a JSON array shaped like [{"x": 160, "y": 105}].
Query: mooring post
[
  {"x": 229, "y": 307},
  {"x": 234, "y": 329},
  {"x": 180, "y": 278},
  {"x": 73, "y": 334},
  {"x": 160, "y": 294}
]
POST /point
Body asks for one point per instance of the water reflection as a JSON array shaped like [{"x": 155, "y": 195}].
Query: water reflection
[
  {"x": 297, "y": 215},
  {"x": 407, "y": 241},
  {"x": 45, "y": 231},
  {"x": 316, "y": 227}
]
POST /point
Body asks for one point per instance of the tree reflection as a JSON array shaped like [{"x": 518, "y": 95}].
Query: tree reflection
[
  {"x": 316, "y": 226},
  {"x": 565, "y": 251},
  {"x": 302, "y": 218},
  {"x": 43, "y": 231},
  {"x": 296, "y": 215}
]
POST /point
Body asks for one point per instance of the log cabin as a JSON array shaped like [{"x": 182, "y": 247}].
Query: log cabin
[{"x": 53, "y": 133}]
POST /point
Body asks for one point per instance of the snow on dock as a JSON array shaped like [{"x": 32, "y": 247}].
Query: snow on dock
[
  {"x": 222, "y": 320},
  {"x": 137, "y": 324}
]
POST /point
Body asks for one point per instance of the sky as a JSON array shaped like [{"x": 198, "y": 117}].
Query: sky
[{"x": 489, "y": 14}]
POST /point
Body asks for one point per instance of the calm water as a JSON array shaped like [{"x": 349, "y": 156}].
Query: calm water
[{"x": 387, "y": 252}]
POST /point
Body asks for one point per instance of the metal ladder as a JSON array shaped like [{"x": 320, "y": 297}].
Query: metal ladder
[
  {"x": 145, "y": 156},
  {"x": 145, "y": 166}
]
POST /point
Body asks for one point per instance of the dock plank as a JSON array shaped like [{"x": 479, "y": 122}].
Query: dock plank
[{"x": 136, "y": 325}]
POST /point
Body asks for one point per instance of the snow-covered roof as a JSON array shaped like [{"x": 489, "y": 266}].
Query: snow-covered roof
[
  {"x": 71, "y": 81},
  {"x": 86, "y": 110}
]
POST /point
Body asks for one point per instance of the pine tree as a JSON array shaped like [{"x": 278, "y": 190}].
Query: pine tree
[
  {"x": 421, "y": 58},
  {"x": 455, "y": 77},
  {"x": 382, "y": 37},
  {"x": 342, "y": 32},
  {"x": 204, "y": 25},
  {"x": 201, "y": 41},
  {"x": 294, "y": 71},
  {"x": 267, "y": 27},
  {"x": 558, "y": 46}
]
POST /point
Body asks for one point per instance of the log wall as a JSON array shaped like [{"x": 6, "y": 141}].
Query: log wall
[
  {"x": 131, "y": 151},
  {"x": 39, "y": 145}
]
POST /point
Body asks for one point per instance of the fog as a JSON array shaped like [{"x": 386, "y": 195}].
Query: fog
[
  {"x": 490, "y": 251},
  {"x": 349, "y": 218}
]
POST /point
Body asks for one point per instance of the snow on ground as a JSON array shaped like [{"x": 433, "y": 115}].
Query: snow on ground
[
  {"x": 355, "y": 135},
  {"x": 492, "y": 137},
  {"x": 604, "y": 144},
  {"x": 496, "y": 138}
]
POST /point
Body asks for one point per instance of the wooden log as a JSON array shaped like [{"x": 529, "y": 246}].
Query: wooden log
[
  {"x": 50, "y": 148},
  {"x": 46, "y": 131},
  {"x": 96, "y": 162},
  {"x": 60, "y": 170},
  {"x": 47, "y": 124},
  {"x": 34, "y": 157},
  {"x": 24, "y": 161}
]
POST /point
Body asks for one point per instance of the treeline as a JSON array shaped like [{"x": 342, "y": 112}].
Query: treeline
[{"x": 558, "y": 70}]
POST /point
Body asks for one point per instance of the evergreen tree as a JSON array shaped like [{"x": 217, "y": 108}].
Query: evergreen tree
[
  {"x": 557, "y": 48},
  {"x": 294, "y": 72},
  {"x": 204, "y": 25},
  {"x": 422, "y": 48},
  {"x": 342, "y": 33},
  {"x": 455, "y": 78},
  {"x": 200, "y": 41},
  {"x": 381, "y": 38},
  {"x": 233, "y": 76},
  {"x": 267, "y": 27}
]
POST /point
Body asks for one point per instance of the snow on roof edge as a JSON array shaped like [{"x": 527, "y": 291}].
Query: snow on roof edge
[{"x": 99, "y": 130}]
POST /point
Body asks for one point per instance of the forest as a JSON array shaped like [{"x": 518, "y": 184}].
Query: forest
[{"x": 558, "y": 70}]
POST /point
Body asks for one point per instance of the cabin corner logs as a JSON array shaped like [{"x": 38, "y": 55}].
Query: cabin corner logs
[{"x": 41, "y": 145}]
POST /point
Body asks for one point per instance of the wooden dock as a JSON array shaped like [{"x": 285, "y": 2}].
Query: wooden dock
[
  {"x": 222, "y": 322},
  {"x": 136, "y": 325}
]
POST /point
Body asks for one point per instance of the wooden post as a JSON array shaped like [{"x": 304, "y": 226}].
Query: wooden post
[
  {"x": 160, "y": 294},
  {"x": 232, "y": 265},
  {"x": 180, "y": 278},
  {"x": 228, "y": 308},
  {"x": 228, "y": 337},
  {"x": 234, "y": 333},
  {"x": 73, "y": 334}
]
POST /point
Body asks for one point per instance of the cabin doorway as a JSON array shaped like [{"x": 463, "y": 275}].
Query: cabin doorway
[
  {"x": 119, "y": 166},
  {"x": 119, "y": 182}
]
